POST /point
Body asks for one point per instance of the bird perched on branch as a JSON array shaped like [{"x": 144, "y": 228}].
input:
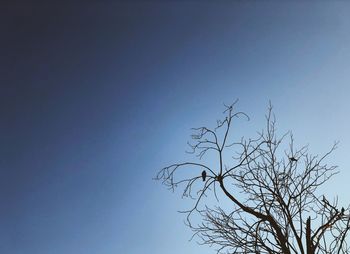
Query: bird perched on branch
[
  {"x": 204, "y": 175},
  {"x": 324, "y": 200},
  {"x": 293, "y": 159}
]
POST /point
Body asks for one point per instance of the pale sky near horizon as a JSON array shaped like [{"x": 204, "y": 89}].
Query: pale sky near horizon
[{"x": 96, "y": 97}]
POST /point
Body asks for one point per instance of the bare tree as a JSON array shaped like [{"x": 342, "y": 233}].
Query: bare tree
[{"x": 271, "y": 187}]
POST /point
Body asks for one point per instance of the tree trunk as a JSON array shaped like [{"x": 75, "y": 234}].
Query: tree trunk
[{"x": 309, "y": 245}]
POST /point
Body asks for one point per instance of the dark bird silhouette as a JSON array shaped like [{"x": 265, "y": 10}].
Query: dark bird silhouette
[
  {"x": 325, "y": 200},
  {"x": 292, "y": 159},
  {"x": 204, "y": 175},
  {"x": 342, "y": 210}
]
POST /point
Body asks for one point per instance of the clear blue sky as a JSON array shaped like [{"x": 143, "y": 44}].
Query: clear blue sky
[{"x": 95, "y": 98}]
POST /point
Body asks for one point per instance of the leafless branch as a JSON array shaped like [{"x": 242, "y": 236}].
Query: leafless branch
[{"x": 272, "y": 186}]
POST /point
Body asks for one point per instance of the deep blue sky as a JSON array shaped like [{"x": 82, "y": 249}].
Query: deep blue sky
[{"x": 95, "y": 98}]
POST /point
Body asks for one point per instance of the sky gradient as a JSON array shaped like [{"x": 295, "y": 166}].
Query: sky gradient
[{"x": 96, "y": 97}]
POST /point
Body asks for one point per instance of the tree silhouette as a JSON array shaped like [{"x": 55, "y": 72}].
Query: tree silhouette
[{"x": 271, "y": 187}]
